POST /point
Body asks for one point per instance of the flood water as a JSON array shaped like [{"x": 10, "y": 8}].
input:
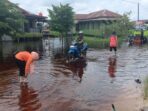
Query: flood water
[{"x": 56, "y": 86}]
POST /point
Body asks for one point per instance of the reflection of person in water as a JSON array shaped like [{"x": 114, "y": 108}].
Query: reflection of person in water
[
  {"x": 77, "y": 69},
  {"x": 112, "y": 67},
  {"x": 80, "y": 73},
  {"x": 28, "y": 99}
]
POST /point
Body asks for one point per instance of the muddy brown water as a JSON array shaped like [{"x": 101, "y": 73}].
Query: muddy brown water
[{"x": 55, "y": 86}]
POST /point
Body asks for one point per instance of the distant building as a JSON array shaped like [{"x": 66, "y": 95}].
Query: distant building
[
  {"x": 95, "y": 19},
  {"x": 141, "y": 24},
  {"x": 34, "y": 23}
]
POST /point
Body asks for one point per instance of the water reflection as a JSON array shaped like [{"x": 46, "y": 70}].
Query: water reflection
[
  {"x": 78, "y": 68},
  {"x": 112, "y": 65},
  {"x": 28, "y": 99},
  {"x": 46, "y": 47}
]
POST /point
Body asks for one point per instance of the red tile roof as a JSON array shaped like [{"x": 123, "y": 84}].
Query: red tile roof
[
  {"x": 81, "y": 16},
  {"x": 98, "y": 14}
]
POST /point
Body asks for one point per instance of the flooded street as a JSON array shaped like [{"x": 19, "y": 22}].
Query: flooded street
[{"x": 92, "y": 86}]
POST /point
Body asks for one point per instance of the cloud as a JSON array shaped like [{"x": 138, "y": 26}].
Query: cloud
[
  {"x": 80, "y": 7},
  {"x": 83, "y": 6}
]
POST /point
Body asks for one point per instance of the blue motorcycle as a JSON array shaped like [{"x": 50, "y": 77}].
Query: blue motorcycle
[{"x": 77, "y": 51}]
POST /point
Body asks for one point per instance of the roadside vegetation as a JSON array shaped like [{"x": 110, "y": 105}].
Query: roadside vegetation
[
  {"x": 11, "y": 19},
  {"x": 54, "y": 33},
  {"x": 138, "y": 32},
  {"x": 28, "y": 35},
  {"x": 146, "y": 88}
]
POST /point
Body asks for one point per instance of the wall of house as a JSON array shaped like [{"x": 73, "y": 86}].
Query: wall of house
[{"x": 91, "y": 25}]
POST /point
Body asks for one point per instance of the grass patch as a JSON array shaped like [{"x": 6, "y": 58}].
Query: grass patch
[
  {"x": 32, "y": 36},
  {"x": 28, "y": 35},
  {"x": 96, "y": 42},
  {"x": 54, "y": 33},
  {"x": 146, "y": 88},
  {"x": 138, "y": 32},
  {"x": 94, "y": 32}
]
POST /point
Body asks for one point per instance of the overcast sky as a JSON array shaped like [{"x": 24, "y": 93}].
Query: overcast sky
[{"x": 87, "y": 6}]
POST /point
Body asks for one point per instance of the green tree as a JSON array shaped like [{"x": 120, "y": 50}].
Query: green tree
[
  {"x": 11, "y": 19},
  {"x": 121, "y": 26},
  {"x": 62, "y": 18}
]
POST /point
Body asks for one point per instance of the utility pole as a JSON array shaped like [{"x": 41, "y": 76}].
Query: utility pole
[{"x": 138, "y": 13}]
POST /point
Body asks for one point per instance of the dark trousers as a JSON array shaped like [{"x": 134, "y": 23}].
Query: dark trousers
[
  {"x": 115, "y": 48},
  {"x": 21, "y": 65}
]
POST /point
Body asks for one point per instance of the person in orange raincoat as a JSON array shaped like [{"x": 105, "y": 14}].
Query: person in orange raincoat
[
  {"x": 23, "y": 60},
  {"x": 113, "y": 42}
]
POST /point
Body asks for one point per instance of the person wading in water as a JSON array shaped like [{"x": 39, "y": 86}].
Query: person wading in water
[
  {"x": 113, "y": 42},
  {"x": 24, "y": 59}
]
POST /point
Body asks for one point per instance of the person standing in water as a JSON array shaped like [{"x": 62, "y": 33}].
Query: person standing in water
[
  {"x": 24, "y": 59},
  {"x": 113, "y": 42},
  {"x": 80, "y": 41}
]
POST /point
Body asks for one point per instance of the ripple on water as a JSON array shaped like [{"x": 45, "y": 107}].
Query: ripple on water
[{"x": 57, "y": 86}]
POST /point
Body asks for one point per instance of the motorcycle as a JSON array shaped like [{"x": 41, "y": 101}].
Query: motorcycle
[{"x": 77, "y": 51}]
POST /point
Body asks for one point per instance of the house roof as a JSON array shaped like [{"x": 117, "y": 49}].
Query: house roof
[
  {"x": 81, "y": 16},
  {"x": 27, "y": 14},
  {"x": 31, "y": 15},
  {"x": 140, "y": 22},
  {"x": 144, "y": 21},
  {"x": 97, "y": 14}
]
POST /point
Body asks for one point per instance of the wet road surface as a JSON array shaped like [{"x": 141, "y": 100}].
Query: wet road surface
[{"x": 55, "y": 86}]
